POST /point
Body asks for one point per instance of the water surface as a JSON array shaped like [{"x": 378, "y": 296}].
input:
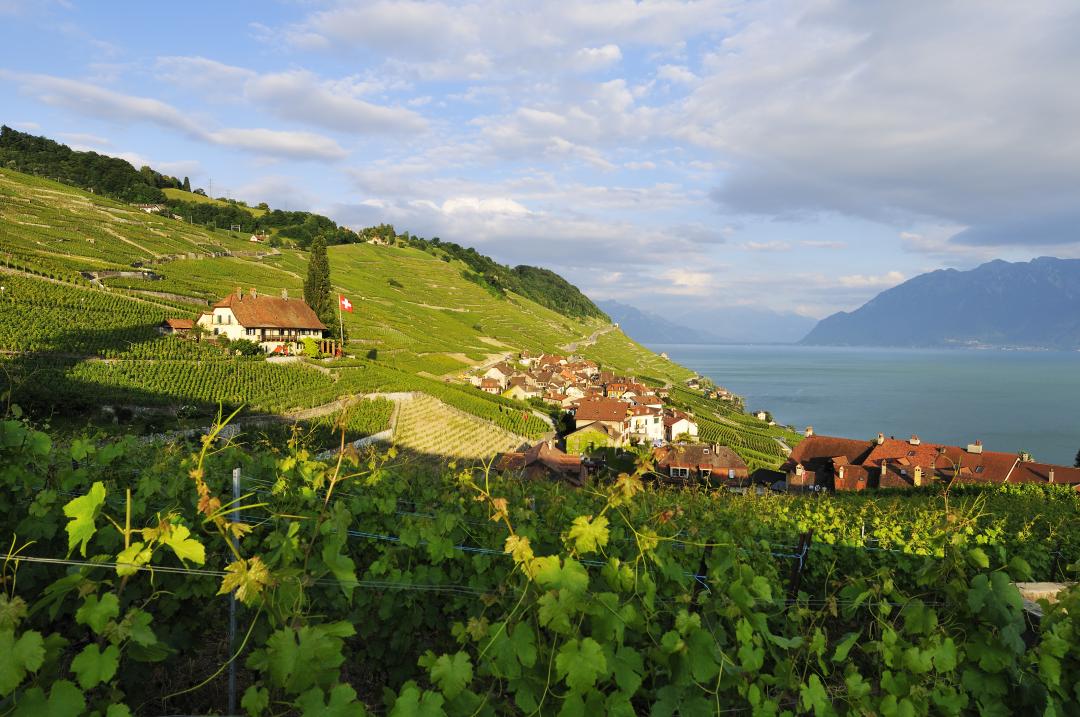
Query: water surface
[{"x": 1011, "y": 400}]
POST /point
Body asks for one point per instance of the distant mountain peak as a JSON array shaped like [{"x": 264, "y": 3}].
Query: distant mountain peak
[{"x": 1032, "y": 304}]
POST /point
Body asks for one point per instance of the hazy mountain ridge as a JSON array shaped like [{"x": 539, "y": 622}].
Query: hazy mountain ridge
[{"x": 1032, "y": 304}]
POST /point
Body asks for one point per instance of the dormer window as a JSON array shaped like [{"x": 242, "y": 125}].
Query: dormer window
[{"x": 979, "y": 469}]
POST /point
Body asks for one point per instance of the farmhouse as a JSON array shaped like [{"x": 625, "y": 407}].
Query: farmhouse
[
  {"x": 180, "y": 327},
  {"x": 701, "y": 462},
  {"x": 678, "y": 423},
  {"x": 605, "y": 410},
  {"x": 592, "y": 436},
  {"x": 544, "y": 461},
  {"x": 278, "y": 325}
]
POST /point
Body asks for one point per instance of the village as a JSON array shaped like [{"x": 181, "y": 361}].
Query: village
[{"x": 606, "y": 414}]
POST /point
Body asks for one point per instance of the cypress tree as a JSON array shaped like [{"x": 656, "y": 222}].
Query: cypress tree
[
  {"x": 187, "y": 185},
  {"x": 317, "y": 289}
]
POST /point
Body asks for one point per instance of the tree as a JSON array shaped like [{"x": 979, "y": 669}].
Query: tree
[
  {"x": 1077, "y": 461},
  {"x": 187, "y": 185},
  {"x": 317, "y": 289}
]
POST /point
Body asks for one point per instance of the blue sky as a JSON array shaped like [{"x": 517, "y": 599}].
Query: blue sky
[{"x": 684, "y": 157}]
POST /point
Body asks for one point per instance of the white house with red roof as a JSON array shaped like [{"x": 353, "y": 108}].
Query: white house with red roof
[{"x": 276, "y": 324}]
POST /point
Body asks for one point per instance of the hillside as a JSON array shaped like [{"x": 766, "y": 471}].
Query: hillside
[
  {"x": 1032, "y": 304},
  {"x": 80, "y": 337},
  {"x": 651, "y": 328}
]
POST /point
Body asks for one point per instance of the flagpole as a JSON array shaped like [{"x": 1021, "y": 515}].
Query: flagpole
[{"x": 341, "y": 321}]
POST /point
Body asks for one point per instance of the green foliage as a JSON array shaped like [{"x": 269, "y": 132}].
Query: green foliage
[
  {"x": 317, "y": 287},
  {"x": 88, "y": 170},
  {"x": 390, "y": 575}
]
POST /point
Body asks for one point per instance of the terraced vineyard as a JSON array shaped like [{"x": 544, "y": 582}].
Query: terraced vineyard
[
  {"x": 417, "y": 314},
  {"x": 427, "y": 425}
]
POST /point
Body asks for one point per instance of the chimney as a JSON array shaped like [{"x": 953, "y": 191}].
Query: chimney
[
  {"x": 239, "y": 294},
  {"x": 1050, "y": 475},
  {"x": 975, "y": 447},
  {"x": 916, "y": 477},
  {"x": 285, "y": 294},
  {"x": 253, "y": 294},
  {"x": 809, "y": 431},
  {"x": 914, "y": 440},
  {"x": 1025, "y": 457},
  {"x": 880, "y": 438}
]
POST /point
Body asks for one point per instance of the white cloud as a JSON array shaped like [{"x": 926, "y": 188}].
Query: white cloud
[
  {"x": 767, "y": 246},
  {"x": 589, "y": 59},
  {"x": 299, "y": 145},
  {"x": 677, "y": 74},
  {"x": 93, "y": 101},
  {"x": 861, "y": 281},
  {"x": 477, "y": 205},
  {"x": 823, "y": 244},
  {"x": 301, "y": 96}
]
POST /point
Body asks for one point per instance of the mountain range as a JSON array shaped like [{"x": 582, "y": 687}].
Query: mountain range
[
  {"x": 714, "y": 325},
  {"x": 1033, "y": 304}
]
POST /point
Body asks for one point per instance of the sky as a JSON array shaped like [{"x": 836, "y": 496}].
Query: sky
[{"x": 688, "y": 158}]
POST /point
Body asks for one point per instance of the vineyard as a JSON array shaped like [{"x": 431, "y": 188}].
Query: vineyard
[
  {"x": 426, "y": 425},
  {"x": 376, "y": 586}
]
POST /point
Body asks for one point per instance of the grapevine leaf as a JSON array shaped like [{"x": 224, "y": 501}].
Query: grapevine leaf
[
  {"x": 186, "y": 548},
  {"x": 581, "y": 663},
  {"x": 342, "y": 567},
  {"x": 83, "y": 511},
  {"x": 255, "y": 700},
  {"x": 96, "y": 612},
  {"x": 628, "y": 669},
  {"x": 342, "y": 703},
  {"x": 247, "y": 577},
  {"x": 92, "y": 666},
  {"x": 979, "y": 558},
  {"x": 11, "y": 612},
  {"x": 570, "y": 576},
  {"x": 554, "y": 613},
  {"x": 412, "y": 703},
  {"x": 572, "y": 706},
  {"x": 844, "y": 646},
  {"x": 118, "y": 711},
  {"x": 17, "y": 657},
  {"x": 702, "y": 654},
  {"x": 65, "y": 699},
  {"x": 524, "y": 641},
  {"x": 589, "y": 535},
  {"x": 812, "y": 696},
  {"x": 945, "y": 656},
  {"x": 452, "y": 674},
  {"x": 132, "y": 558},
  {"x": 137, "y": 623}
]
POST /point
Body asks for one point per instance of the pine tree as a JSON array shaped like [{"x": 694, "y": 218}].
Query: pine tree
[
  {"x": 187, "y": 184},
  {"x": 317, "y": 289}
]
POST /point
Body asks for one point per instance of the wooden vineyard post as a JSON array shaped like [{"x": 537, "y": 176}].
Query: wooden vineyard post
[{"x": 803, "y": 552}]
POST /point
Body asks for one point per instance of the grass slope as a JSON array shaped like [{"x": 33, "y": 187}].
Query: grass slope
[{"x": 418, "y": 315}]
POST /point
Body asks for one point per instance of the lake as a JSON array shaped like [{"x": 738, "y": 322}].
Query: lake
[{"x": 1011, "y": 400}]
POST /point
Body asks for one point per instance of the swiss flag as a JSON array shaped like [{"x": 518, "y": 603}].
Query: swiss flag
[{"x": 344, "y": 303}]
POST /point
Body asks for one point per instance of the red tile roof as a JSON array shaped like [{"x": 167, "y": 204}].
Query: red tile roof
[
  {"x": 266, "y": 312},
  {"x": 601, "y": 409},
  {"x": 1030, "y": 472},
  {"x": 820, "y": 448},
  {"x": 180, "y": 324}
]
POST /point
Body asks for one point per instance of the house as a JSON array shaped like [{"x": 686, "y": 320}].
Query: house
[
  {"x": 701, "y": 462},
  {"x": 814, "y": 461},
  {"x": 761, "y": 416},
  {"x": 544, "y": 461},
  {"x": 646, "y": 423},
  {"x": 679, "y": 423},
  {"x": 846, "y": 464},
  {"x": 276, "y": 324},
  {"x": 592, "y": 436},
  {"x": 491, "y": 385},
  {"x": 259, "y": 239},
  {"x": 500, "y": 372},
  {"x": 528, "y": 359},
  {"x": 181, "y": 327},
  {"x": 605, "y": 410},
  {"x": 521, "y": 391}
]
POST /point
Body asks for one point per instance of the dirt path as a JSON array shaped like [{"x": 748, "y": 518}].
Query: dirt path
[{"x": 575, "y": 345}]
